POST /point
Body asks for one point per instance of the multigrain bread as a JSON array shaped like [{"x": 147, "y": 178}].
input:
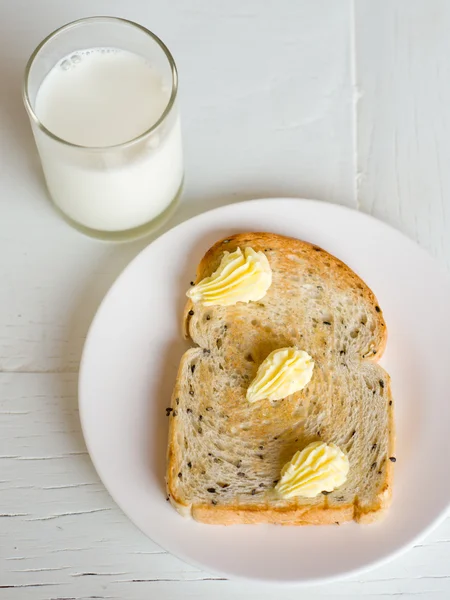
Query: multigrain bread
[{"x": 225, "y": 454}]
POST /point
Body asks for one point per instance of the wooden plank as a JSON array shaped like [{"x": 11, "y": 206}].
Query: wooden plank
[{"x": 403, "y": 117}]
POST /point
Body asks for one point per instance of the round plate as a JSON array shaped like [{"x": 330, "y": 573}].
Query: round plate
[{"x": 130, "y": 362}]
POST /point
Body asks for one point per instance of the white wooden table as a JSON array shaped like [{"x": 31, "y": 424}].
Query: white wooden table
[{"x": 343, "y": 101}]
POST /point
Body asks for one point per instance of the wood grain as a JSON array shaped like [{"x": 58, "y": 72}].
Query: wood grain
[{"x": 403, "y": 117}]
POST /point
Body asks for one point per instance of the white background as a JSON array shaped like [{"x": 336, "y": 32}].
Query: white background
[{"x": 343, "y": 101}]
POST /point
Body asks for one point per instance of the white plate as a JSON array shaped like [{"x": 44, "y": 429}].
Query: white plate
[{"x": 131, "y": 358}]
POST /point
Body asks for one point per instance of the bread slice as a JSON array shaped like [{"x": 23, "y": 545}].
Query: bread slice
[{"x": 225, "y": 454}]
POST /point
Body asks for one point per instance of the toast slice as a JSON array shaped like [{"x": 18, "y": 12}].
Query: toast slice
[{"x": 224, "y": 453}]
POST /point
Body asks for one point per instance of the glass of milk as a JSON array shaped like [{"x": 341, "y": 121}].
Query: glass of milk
[{"x": 101, "y": 94}]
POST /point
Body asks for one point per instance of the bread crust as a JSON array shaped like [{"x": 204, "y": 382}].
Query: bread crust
[{"x": 292, "y": 513}]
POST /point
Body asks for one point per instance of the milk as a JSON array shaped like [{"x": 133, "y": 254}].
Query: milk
[{"x": 97, "y": 99}]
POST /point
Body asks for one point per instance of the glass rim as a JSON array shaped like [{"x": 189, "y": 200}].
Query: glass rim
[{"x": 72, "y": 24}]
